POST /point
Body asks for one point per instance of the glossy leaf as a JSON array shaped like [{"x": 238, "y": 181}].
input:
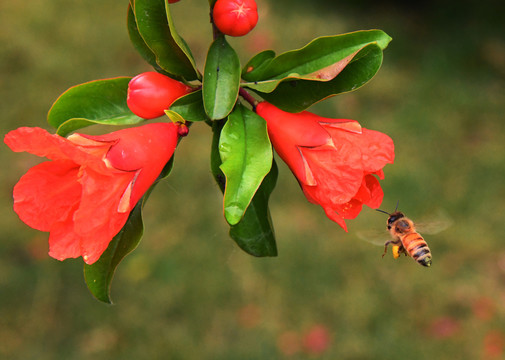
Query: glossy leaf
[
  {"x": 179, "y": 40},
  {"x": 98, "y": 276},
  {"x": 138, "y": 42},
  {"x": 321, "y": 60},
  {"x": 257, "y": 63},
  {"x": 298, "y": 95},
  {"x": 189, "y": 107},
  {"x": 221, "y": 79},
  {"x": 246, "y": 155},
  {"x": 254, "y": 233},
  {"x": 154, "y": 24},
  {"x": 321, "y": 53},
  {"x": 95, "y": 102},
  {"x": 215, "y": 158}
]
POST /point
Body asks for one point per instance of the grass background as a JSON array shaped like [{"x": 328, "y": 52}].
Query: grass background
[{"x": 188, "y": 292}]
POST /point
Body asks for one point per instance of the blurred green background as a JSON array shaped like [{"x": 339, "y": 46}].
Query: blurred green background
[{"x": 188, "y": 292}]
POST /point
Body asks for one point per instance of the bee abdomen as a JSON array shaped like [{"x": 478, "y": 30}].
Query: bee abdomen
[{"x": 417, "y": 248}]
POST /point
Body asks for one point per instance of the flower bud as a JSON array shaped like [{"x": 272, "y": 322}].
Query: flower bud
[
  {"x": 235, "y": 17},
  {"x": 151, "y": 93},
  {"x": 182, "y": 130}
]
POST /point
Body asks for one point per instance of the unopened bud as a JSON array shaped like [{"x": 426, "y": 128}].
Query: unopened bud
[
  {"x": 151, "y": 93},
  {"x": 182, "y": 130}
]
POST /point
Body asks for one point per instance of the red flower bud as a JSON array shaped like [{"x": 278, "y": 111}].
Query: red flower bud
[
  {"x": 235, "y": 17},
  {"x": 173, "y": 1},
  {"x": 334, "y": 160},
  {"x": 84, "y": 196},
  {"x": 182, "y": 130},
  {"x": 151, "y": 93}
]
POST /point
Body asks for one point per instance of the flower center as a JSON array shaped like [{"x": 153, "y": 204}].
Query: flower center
[{"x": 241, "y": 10}]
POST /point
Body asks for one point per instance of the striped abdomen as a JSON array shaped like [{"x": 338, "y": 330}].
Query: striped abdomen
[{"x": 417, "y": 248}]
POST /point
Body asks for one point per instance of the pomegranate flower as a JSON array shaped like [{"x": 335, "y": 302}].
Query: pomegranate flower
[
  {"x": 84, "y": 196},
  {"x": 334, "y": 160}
]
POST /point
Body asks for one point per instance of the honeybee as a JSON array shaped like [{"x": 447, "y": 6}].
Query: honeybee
[{"x": 406, "y": 240}]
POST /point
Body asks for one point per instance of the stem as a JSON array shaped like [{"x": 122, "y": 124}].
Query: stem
[
  {"x": 215, "y": 31},
  {"x": 248, "y": 97}
]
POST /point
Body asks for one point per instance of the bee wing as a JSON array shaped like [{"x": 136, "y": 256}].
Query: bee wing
[
  {"x": 374, "y": 237},
  {"x": 435, "y": 223}
]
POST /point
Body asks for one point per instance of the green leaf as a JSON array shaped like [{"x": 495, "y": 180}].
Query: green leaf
[
  {"x": 138, "y": 42},
  {"x": 95, "y": 102},
  {"x": 179, "y": 40},
  {"x": 98, "y": 276},
  {"x": 246, "y": 155},
  {"x": 215, "y": 158},
  {"x": 189, "y": 107},
  {"x": 298, "y": 95},
  {"x": 254, "y": 233},
  {"x": 322, "y": 60},
  {"x": 155, "y": 26},
  {"x": 221, "y": 79},
  {"x": 257, "y": 63},
  {"x": 322, "y": 53}
]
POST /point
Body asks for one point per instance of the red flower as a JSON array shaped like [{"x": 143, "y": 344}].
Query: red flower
[
  {"x": 334, "y": 160},
  {"x": 84, "y": 195}
]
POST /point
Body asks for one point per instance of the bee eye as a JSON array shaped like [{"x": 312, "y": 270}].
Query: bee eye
[{"x": 393, "y": 218}]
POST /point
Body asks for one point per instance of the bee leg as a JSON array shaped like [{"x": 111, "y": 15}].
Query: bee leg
[
  {"x": 403, "y": 251},
  {"x": 386, "y": 248},
  {"x": 395, "y": 242}
]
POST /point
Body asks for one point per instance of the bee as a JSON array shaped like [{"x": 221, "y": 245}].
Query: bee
[{"x": 406, "y": 240}]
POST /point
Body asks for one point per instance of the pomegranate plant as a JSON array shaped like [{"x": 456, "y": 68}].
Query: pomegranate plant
[{"x": 89, "y": 193}]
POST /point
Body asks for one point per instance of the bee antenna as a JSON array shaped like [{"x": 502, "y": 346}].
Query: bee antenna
[
  {"x": 382, "y": 211},
  {"x": 397, "y": 203}
]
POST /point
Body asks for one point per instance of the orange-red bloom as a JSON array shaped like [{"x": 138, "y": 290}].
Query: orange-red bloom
[
  {"x": 334, "y": 160},
  {"x": 84, "y": 196}
]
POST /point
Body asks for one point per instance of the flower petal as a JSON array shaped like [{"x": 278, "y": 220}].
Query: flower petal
[
  {"x": 39, "y": 142},
  {"x": 64, "y": 243},
  {"x": 337, "y": 172},
  {"x": 36, "y": 141},
  {"x": 135, "y": 148},
  {"x": 47, "y": 193},
  {"x": 144, "y": 151},
  {"x": 377, "y": 148},
  {"x": 97, "y": 220},
  {"x": 288, "y": 132},
  {"x": 349, "y": 210},
  {"x": 374, "y": 191},
  {"x": 335, "y": 216}
]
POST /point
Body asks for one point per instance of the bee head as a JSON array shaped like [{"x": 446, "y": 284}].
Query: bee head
[{"x": 393, "y": 217}]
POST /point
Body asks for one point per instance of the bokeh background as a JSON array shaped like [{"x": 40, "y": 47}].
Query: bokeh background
[{"x": 188, "y": 292}]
